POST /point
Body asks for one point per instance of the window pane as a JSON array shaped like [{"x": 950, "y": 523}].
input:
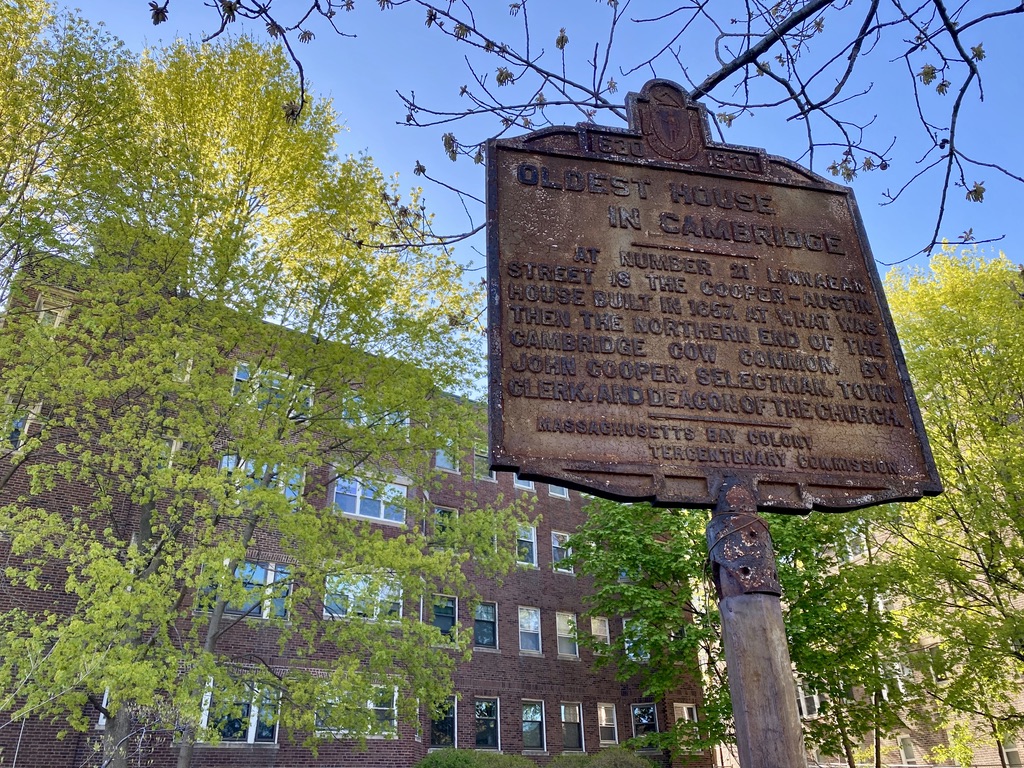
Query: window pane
[
  {"x": 346, "y": 492},
  {"x": 644, "y": 719},
  {"x": 607, "y": 730},
  {"x": 442, "y": 730},
  {"x": 572, "y": 732},
  {"x": 485, "y": 626},
  {"x": 444, "y": 614},
  {"x": 533, "y": 725},
  {"x": 486, "y": 713}
]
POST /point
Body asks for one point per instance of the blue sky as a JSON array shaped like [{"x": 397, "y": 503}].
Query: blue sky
[{"x": 392, "y": 51}]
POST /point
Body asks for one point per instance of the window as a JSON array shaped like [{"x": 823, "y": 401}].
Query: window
[
  {"x": 600, "y": 630},
  {"x": 485, "y": 713},
  {"x": 524, "y": 485},
  {"x": 685, "y": 712},
  {"x": 533, "y": 725},
  {"x": 526, "y": 546},
  {"x": 382, "y": 709},
  {"x": 607, "y": 728},
  {"x": 572, "y": 727},
  {"x": 369, "y": 597},
  {"x": 443, "y": 613},
  {"x": 645, "y": 719},
  {"x": 807, "y": 701},
  {"x": 440, "y": 526},
  {"x": 377, "y": 501},
  {"x": 267, "y": 588},
  {"x": 482, "y": 465},
  {"x": 631, "y": 642},
  {"x": 907, "y": 754},
  {"x": 558, "y": 491},
  {"x": 252, "y": 720},
  {"x": 51, "y": 310},
  {"x": 559, "y": 551},
  {"x": 385, "y": 710},
  {"x": 447, "y": 462},
  {"x": 442, "y": 728},
  {"x": 565, "y": 627},
  {"x": 18, "y": 431},
  {"x": 1011, "y": 753},
  {"x": 274, "y": 389},
  {"x": 290, "y": 485},
  {"x": 529, "y": 629},
  {"x": 485, "y": 625}
]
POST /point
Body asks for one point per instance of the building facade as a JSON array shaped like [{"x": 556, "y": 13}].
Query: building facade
[{"x": 529, "y": 688}]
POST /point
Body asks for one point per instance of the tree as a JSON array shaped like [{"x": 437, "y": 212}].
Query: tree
[
  {"x": 963, "y": 332},
  {"x": 808, "y": 61},
  {"x": 845, "y": 649},
  {"x": 63, "y": 87},
  {"x": 182, "y": 392}
]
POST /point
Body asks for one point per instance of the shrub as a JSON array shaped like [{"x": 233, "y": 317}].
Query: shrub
[
  {"x": 465, "y": 758},
  {"x": 617, "y": 757}
]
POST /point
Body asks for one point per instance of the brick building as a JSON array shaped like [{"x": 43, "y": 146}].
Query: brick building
[{"x": 529, "y": 687}]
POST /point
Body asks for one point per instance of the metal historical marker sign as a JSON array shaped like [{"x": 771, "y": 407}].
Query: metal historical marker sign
[{"x": 667, "y": 313}]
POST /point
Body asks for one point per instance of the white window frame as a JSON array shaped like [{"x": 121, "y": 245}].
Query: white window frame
[
  {"x": 560, "y": 550},
  {"x": 390, "y": 731},
  {"x": 596, "y": 624},
  {"x": 603, "y": 710},
  {"x": 530, "y": 611},
  {"x": 446, "y": 462},
  {"x": 530, "y": 539},
  {"x": 291, "y": 487},
  {"x": 806, "y": 701},
  {"x": 686, "y": 712},
  {"x": 382, "y": 492},
  {"x": 643, "y": 705},
  {"x": 383, "y": 590},
  {"x": 273, "y": 573},
  {"x": 54, "y": 304},
  {"x": 268, "y": 386},
  {"x": 543, "y": 725},
  {"x": 523, "y": 485},
  {"x": 255, "y": 702},
  {"x": 494, "y": 621},
  {"x": 565, "y": 629},
  {"x": 558, "y": 491},
  {"x": 453, "y": 702},
  {"x": 577, "y": 707},
  {"x": 497, "y": 721},
  {"x": 903, "y": 742},
  {"x": 1008, "y": 747}
]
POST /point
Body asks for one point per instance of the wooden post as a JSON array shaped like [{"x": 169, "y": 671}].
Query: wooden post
[{"x": 761, "y": 686}]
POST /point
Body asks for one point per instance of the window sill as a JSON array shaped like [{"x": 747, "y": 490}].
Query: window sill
[
  {"x": 527, "y": 566},
  {"x": 238, "y": 745},
  {"x": 565, "y": 571},
  {"x": 536, "y": 752},
  {"x": 485, "y": 649},
  {"x": 608, "y": 744},
  {"x": 567, "y": 657},
  {"x": 535, "y": 654}
]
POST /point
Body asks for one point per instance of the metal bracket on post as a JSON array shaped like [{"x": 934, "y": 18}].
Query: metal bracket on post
[
  {"x": 768, "y": 731},
  {"x": 740, "y": 547}
]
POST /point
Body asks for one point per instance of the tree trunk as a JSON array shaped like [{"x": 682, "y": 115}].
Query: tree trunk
[{"x": 116, "y": 734}]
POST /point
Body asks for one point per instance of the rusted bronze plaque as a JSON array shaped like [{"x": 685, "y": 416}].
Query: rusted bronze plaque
[{"x": 666, "y": 313}]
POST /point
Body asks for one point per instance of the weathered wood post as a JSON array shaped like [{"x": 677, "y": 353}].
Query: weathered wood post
[{"x": 768, "y": 733}]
